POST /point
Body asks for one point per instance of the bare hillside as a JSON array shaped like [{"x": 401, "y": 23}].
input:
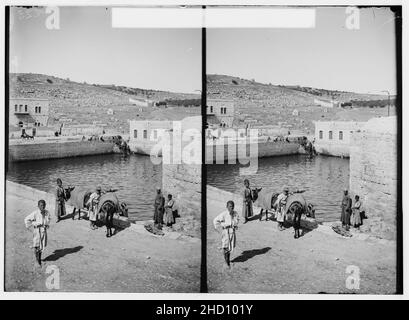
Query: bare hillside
[
  {"x": 291, "y": 107},
  {"x": 89, "y": 103}
]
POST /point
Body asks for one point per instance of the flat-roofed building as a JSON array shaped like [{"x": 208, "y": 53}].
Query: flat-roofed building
[
  {"x": 222, "y": 110},
  {"x": 28, "y": 112},
  {"x": 334, "y": 137}
]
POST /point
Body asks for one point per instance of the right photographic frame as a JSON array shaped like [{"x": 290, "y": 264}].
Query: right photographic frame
[{"x": 303, "y": 151}]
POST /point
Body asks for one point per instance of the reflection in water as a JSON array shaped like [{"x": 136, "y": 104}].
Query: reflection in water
[
  {"x": 323, "y": 178},
  {"x": 135, "y": 177}
]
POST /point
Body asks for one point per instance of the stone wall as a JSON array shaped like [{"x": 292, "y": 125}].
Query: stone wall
[
  {"x": 32, "y": 150},
  {"x": 219, "y": 152},
  {"x": 331, "y": 149},
  {"x": 373, "y": 174},
  {"x": 183, "y": 181}
]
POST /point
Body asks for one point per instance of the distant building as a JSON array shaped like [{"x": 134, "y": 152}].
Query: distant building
[
  {"x": 334, "y": 137},
  {"x": 221, "y": 111},
  {"x": 148, "y": 130},
  {"x": 145, "y": 134},
  {"x": 142, "y": 102},
  {"x": 27, "y": 112},
  {"x": 327, "y": 103}
]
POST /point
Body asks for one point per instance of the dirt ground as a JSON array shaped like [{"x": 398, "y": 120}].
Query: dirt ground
[
  {"x": 267, "y": 260},
  {"x": 130, "y": 261}
]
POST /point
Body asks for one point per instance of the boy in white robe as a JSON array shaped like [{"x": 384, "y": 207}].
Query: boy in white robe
[
  {"x": 40, "y": 221},
  {"x": 228, "y": 221}
]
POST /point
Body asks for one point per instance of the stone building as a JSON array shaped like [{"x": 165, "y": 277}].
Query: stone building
[
  {"x": 327, "y": 103},
  {"x": 27, "y": 112},
  {"x": 334, "y": 137},
  {"x": 142, "y": 102},
  {"x": 220, "y": 111},
  {"x": 374, "y": 174}
]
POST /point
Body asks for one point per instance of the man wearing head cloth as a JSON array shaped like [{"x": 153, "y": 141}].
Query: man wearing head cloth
[
  {"x": 93, "y": 207},
  {"x": 59, "y": 201},
  {"x": 280, "y": 204},
  {"x": 247, "y": 210},
  {"x": 346, "y": 205},
  {"x": 159, "y": 206}
]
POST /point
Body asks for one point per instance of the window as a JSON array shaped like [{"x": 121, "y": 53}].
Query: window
[
  {"x": 20, "y": 124},
  {"x": 135, "y": 134},
  {"x": 20, "y": 108},
  {"x": 221, "y": 110},
  {"x": 211, "y": 109},
  {"x": 39, "y": 109},
  {"x": 341, "y": 135},
  {"x": 321, "y": 134},
  {"x": 15, "y": 108},
  {"x": 25, "y": 108},
  {"x": 155, "y": 134},
  {"x": 330, "y": 135},
  {"x": 36, "y": 109},
  {"x": 145, "y": 134}
]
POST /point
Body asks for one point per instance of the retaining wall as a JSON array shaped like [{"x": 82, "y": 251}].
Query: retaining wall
[
  {"x": 37, "y": 150},
  {"x": 183, "y": 181},
  {"x": 218, "y": 153},
  {"x": 373, "y": 173}
]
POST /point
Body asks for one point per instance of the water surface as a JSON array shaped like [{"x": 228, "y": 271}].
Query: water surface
[{"x": 323, "y": 178}]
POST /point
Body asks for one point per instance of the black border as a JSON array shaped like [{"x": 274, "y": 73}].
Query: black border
[
  {"x": 399, "y": 106},
  {"x": 203, "y": 266},
  {"x": 6, "y": 125}
]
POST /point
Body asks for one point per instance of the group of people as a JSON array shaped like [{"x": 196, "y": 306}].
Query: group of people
[
  {"x": 40, "y": 219},
  {"x": 164, "y": 213},
  {"x": 92, "y": 204},
  {"x": 351, "y": 214},
  {"x": 228, "y": 220},
  {"x": 279, "y": 204}
]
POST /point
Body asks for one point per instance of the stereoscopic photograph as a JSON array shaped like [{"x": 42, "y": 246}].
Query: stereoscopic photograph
[
  {"x": 193, "y": 149},
  {"x": 100, "y": 194},
  {"x": 302, "y": 154}
]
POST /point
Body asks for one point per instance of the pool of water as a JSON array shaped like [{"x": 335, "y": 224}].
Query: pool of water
[
  {"x": 134, "y": 176},
  {"x": 323, "y": 178}
]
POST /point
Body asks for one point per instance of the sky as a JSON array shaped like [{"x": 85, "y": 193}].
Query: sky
[
  {"x": 328, "y": 56},
  {"x": 86, "y": 48}
]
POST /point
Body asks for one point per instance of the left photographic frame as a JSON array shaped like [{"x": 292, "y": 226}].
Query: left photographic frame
[{"x": 103, "y": 151}]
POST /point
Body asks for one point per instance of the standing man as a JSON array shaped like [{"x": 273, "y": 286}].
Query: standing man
[
  {"x": 280, "y": 204},
  {"x": 346, "y": 210},
  {"x": 159, "y": 208},
  {"x": 93, "y": 207},
  {"x": 40, "y": 221},
  {"x": 60, "y": 201},
  {"x": 228, "y": 221},
  {"x": 247, "y": 201}
]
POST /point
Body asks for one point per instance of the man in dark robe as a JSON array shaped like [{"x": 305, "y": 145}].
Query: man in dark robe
[
  {"x": 59, "y": 201},
  {"x": 247, "y": 210},
  {"x": 346, "y": 210},
  {"x": 159, "y": 209}
]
